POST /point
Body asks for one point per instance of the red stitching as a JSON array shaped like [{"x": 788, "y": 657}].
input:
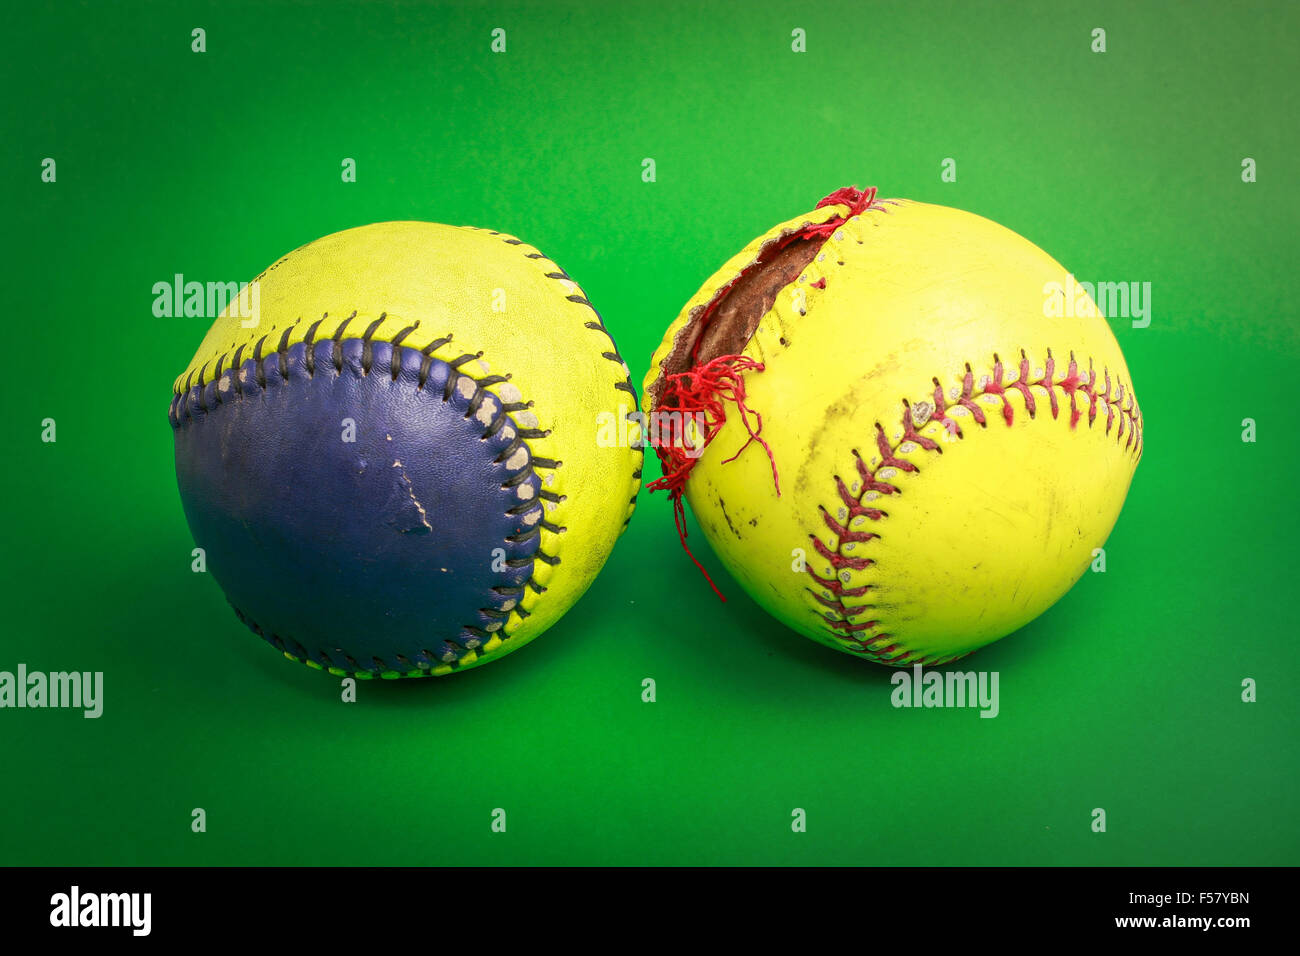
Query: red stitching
[{"x": 1073, "y": 384}]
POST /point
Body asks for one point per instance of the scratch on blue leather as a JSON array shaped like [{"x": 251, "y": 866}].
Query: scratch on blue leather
[{"x": 380, "y": 548}]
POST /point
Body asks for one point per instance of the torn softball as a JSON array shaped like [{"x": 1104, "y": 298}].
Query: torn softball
[{"x": 912, "y": 448}]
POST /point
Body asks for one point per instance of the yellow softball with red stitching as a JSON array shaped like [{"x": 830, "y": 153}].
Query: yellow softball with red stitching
[{"x": 891, "y": 428}]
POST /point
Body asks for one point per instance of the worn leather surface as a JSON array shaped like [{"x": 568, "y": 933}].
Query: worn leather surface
[
  {"x": 382, "y": 546},
  {"x": 505, "y": 314},
  {"x": 952, "y": 447}
]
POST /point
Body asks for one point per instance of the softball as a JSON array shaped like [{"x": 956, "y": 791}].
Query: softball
[
  {"x": 915, "y": 427},
  {"x": 389, "y": 465}
]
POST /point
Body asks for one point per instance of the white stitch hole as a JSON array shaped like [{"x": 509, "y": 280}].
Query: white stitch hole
[
  {"x": 907, "y": 447},
  {"x": 525, "y": 492},
  {"x": 887, "y": 473},
  {"x": 465, "y": 387},
  {"x": 509, "y": 393}
]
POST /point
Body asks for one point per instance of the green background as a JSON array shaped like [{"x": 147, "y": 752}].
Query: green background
[{"x": 1125, "y": 166}]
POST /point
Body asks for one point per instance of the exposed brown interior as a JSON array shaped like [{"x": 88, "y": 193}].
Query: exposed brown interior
[{"x": 725, "y": 325}]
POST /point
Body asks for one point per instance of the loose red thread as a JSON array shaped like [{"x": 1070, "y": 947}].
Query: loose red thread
[
  {"x": 700, "y": 392},
  {"x": 858, "y": 201}
]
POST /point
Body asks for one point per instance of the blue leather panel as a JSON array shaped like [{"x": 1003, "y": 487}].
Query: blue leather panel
[{"x": 368, "y": 555}]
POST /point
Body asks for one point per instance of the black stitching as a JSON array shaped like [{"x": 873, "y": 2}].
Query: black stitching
[
  {"x": 401, "y": 336},
  {"x": 510, "y": 449},
  {"x": 336, "y": 351},
  {"x": 625, "y": 385},
  {"x": 309, "y": 341},
  {"x": 401, "y": 664},
  {"x": 496, "y": 425},
  {"x": 457, "y": 363},
  {"x": 258, "y": 369},
  {"x": 367, "y": 347},
  {"x": 236, "y": 364},
  {"x": 519, "y": 477},
  {"x": 283, "y": 352}
]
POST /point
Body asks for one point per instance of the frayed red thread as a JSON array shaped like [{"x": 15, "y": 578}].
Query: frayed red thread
[
  {"x": 698, "y": 393},
  {"x": 858, "y": 201}
]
